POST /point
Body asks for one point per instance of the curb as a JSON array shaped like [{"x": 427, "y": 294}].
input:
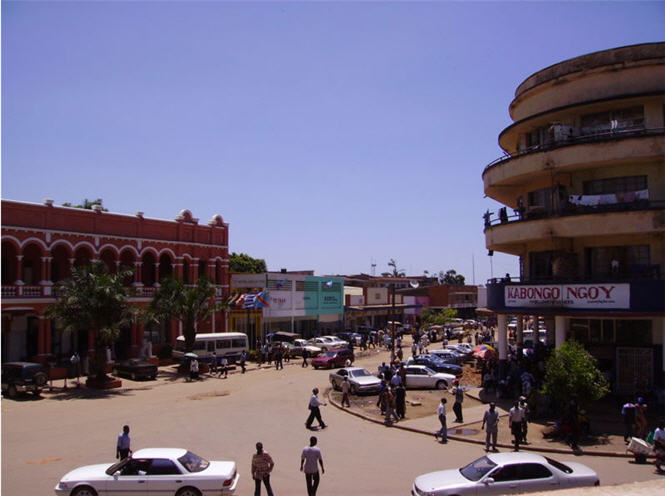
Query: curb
[{"x": 543, "y": 449}]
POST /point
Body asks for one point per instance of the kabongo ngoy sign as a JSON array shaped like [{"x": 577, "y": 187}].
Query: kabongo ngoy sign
[{"x": 599, "y": 296}]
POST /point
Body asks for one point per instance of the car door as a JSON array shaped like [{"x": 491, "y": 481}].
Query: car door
[
  {"x": 537, "y": 477},
  {"x": 502, "y": 480},
  {"x": 164, "y": 477},
  {"x": 339, "y": 377},
  {"x": 414, "y": 377},
  {"x": 132, "y": 478}
]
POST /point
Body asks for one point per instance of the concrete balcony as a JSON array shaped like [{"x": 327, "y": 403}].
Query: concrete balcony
[
  {"x": 507, "y": 178},
  {"x": 514, "y": 233},
  {"x": 578, "y": 297}
]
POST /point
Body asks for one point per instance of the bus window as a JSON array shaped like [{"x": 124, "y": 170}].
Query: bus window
[
  {"x": 239, "y": 343},
  {"x": 199, "y": 345},
  {"x": 223, "y": 343},
  {"x": 211, "y": 346}
]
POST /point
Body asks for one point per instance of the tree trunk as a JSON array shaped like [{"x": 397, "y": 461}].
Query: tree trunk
[{"x": 100, "y": 361}]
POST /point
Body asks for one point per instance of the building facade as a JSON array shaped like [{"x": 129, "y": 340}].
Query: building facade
[
  {"x": 41, "y": 244},
  {"x": 298, "y": 302},
  {"x": 583, "y": 188}
]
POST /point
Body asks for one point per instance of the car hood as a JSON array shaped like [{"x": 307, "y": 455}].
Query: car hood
[
  {"x": 443, "y": 479},
  {"x": 366, "y": 380},
  {"x": 87, "y": 472}
]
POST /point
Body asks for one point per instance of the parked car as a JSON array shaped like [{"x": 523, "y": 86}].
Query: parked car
[
  {"x": 328, "y": 343},
  {"x": 301, "y": 344},
  {"x": 350, "y": 337},
  {"x": 420, "y": 376},
  {"x": 505, "y": 473},
  {"x": 330, "y": 359},
  {"x": 136, "y": 368},
  {"x": 447, "y": 355},
  {"x": 360, "y": 380},
  {"x": 164, "y": 470},
  {"x": 435, "y": 364},
  {"x": 23, "y": 377}
]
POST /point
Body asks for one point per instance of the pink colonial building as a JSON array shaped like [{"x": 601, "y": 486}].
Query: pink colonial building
[{"x": 42, "y": 242}]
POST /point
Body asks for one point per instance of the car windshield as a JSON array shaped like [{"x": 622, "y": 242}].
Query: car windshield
[
  {"x": 474, "y": 471},
  {"x": 330, "y": 354},
  {"x": 193, "y": 463},
  {"x": 117, "y": 466},
  {"x": 359, "y": 373}
]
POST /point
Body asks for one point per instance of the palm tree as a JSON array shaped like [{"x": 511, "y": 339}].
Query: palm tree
[
  {"x": 94, "y": 299},
  {"x": 187, "y": 304}
]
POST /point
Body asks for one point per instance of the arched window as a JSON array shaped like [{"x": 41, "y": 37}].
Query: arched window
[
  {"x": 8, "y": 263},
  {"x": 148, "y": 269},
  {"x": 203, "y": 268},
  {"x": 32, "y": 264},
  {"x": 185, "y": 271},
  {"x": 127, "y": 260},
  {"x": 165, "y": 267},
  {"x": 109, "y": 258},
  {"x": 59, "y": 263}
]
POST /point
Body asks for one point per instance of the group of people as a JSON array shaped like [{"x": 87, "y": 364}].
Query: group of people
[{"x": 636, "y": 425}]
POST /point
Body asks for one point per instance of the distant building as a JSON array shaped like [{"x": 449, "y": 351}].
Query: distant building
[
  {"x": 583, "y": 184},
  {"x": 41, "y": 244},
  {"x": 298, "y": 302}
]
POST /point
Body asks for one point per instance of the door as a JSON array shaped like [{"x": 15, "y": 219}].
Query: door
[
  {"x": 164, "y": 477},
  {"x": 634, "y": 370},
  {"x": 132, "y": 479},
  {"x": 415, "y": 377}
]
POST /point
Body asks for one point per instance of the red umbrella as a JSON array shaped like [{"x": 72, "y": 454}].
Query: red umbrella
[{"x": 486, "y": 353}]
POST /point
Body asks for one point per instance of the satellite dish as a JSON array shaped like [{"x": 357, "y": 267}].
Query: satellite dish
[{"x": 414, "y": 284}]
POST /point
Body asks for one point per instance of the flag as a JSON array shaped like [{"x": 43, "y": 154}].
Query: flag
[
  {"x": 329, "y": 284},
  {"x": 232, "y": 299},
  {"x": 239, "y": 301},
  {"x": 262, "y": 299},
  {"x": 281, "y": 284},
  {"x": 249, "y": 300}
]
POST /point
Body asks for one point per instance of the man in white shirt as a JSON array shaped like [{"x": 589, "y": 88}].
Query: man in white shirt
[
  {"x": 441, "y": 413},
  {"x": 308, "y": 464},
  {"x": 314, "y": 411},
  {"x": 515, "y": 418}
]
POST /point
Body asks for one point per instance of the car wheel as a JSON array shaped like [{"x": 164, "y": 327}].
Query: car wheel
[
  {"x": 12, "y": 392},
  {"x": 324, "y": 349},
  {"x": 84, "y": 491},
  {"x": 442, "y": 385},
  {"x": 188, "y": 491},
  {"x": 316, "y": 367},
  {"x": 40, "y": 379}
]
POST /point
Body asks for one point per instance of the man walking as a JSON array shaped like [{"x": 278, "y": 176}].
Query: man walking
[
  {"x": 311, "y": 455},
  {"x": 305, "y": 354},
  {"x": 279, "y": 357},
  {"x": 224, "y": 367},
  {"x": 314, "y": 411},
  {"x": 390, "y": 407},
  {"x": 458, "y": 391},
  {"x": 515, "y": 417},
  {"x": 243, "y": 359},
  {"x": 262, "y": 465},
  {"x": 400, "y": 401},
  {"x": 441, "y": 413},
  {"x": 122, "y": 449},
  {"x": 346, "y": 387},
  {"x": 525, "y": 421},
  {"x": 491, "y": 424}
]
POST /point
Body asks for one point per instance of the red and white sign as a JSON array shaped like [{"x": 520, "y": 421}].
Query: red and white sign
[{"x": 601, "y": 296}]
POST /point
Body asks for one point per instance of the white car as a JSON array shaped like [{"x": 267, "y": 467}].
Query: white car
[
  {"x": 421, "y": 376},
  {"x": 168, "y": 471},
  {"x": 302, "y": 344},
  {"x": 327, "y": 343},
  {"x": 505, "y": 473}
]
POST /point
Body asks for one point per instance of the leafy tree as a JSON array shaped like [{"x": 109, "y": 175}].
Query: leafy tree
[
  {"x": 87, "y": 204},
  {"x": 431, "y": 316},
  {"x": 572, "y": 374},
  {"x": 241, "y": 262},
  {"x": 187, "y": 304},
  {"x": 452, "y": 277},
  {"x": 95, "y": 300}
]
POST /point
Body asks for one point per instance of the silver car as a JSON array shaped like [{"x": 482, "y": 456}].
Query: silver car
[
  {"x": 505, "y": 473},
  {"x": 421, "y": 376},
  {"x": 361, "y": 380}
]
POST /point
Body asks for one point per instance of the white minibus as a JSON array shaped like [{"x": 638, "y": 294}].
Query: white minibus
[{"x": 224, "y": 344}]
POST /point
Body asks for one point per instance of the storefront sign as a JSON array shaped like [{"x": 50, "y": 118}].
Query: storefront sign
[{"x": 588, "y": 296}]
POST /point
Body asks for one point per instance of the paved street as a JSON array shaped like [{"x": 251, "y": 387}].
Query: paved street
[{"x": 223, "y": 419}]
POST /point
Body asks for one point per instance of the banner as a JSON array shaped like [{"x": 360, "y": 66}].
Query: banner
[{"x": 602, "y": 296}]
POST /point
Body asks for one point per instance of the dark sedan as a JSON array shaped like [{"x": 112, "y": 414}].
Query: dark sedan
[
  {"x": 332, "y": 359},
  {"x": 136, "y": 368},
  {"x": 435, "y": 364}
]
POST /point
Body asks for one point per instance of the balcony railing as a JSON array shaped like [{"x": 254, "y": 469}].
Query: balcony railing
[
  {"x": 569, "y": 209},
  {"x": 576, "y": 140},
  {"x": 638, "y": 273},
  {"x": 49, "y": 291}
]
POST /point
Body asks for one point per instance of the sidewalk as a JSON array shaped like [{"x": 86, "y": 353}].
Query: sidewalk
[{"x": 470, "y": 431}]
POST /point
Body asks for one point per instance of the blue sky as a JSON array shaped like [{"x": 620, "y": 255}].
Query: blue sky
[{"x": 329, "y": 135}]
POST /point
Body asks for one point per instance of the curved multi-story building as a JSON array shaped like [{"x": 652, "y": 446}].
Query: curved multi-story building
[{"x": 583, "y": 184}]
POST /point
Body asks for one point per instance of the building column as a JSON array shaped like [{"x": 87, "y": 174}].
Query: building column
[
  {"x": 42, "y": 340},
  {"x": 559, "y": 331},
  {"x": 662, "y": 334},
  {"x": 519, "y": 331},
  {"x": 137, "y": 274},
  {"x": 502, "y": 329},
  {"x": 194, "y": 269},
  {"x": 135, "y": 339}
]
